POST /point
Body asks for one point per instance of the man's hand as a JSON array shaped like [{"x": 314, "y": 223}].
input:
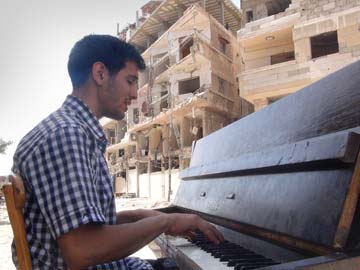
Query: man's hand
[
  {"x": 183, "y": 224},
  {"x": 80, "y": 247}
]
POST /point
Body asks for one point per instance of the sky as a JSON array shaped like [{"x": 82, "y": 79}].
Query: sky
[{"x": 35, "y": 40}]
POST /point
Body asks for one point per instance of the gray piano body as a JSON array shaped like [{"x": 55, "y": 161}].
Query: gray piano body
[{"x": 286, "y": 179}]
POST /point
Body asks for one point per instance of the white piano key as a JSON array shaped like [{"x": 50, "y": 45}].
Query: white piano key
[{"x": 199, "y": 258}]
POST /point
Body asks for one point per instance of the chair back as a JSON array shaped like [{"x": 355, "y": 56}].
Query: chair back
[{"x": 14, "y": 193}]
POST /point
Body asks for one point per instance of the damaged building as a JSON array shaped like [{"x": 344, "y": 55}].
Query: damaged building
[
  {"x": 188, "y": 90},
  {"x": 209, "y": 64},
  {"x": 286, "y": 45}
]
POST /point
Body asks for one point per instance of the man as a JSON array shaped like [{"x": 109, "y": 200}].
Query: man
[{"x": 70, "y": 215}]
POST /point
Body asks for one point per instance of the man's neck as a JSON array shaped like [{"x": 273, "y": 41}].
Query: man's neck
[{"x": 87, "y": 94}]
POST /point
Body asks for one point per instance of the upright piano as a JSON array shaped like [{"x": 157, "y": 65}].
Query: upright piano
[{"x": 281, "y": 184}]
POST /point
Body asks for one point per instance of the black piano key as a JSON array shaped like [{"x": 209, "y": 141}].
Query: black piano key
[
  {"x": 233, "y": 252},
  {"x": 213, "y": 248},
  {"x": 236, "y": 255},
  {"x": 226, "y": 250},
  {"x": 248, "y": 266},
  {"x": 216, "y": 246},
  {"x": 227, "y": 257},
  {"x": 233, "y": 262},
  {"x": 248, "y": 259},
  {"x": 223, "y": 248}
]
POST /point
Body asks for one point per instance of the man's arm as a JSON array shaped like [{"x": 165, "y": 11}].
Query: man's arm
[
  {"x": 135, "y": 215},
  {"x": 94, "y": 244}
]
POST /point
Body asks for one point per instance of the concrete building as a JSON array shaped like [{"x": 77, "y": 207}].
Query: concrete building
[
  {"x": 286, "y": 45},
  {"x": 199, "y": 74},
  {"x": 188, "y": 90}
]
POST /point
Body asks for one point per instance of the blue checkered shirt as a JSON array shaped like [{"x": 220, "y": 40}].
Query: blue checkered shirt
[{"x": 67, "y": 183}]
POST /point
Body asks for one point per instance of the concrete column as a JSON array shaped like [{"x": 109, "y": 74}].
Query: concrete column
[
  {"x": 137, "y": 181},
  {"x": 138, "y": 154},
  {"x": 302, "y": 48},
  {"x": 206, "y": 123},
  {"x": 185, "y": 135},
  {"x": 149, "y": 174}
]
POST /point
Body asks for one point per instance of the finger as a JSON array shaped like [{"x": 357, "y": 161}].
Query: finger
[
  {"x": 210, "y": 235},
  {"x": 191, "y": 235},
  {"x": 218, "y": 234}
]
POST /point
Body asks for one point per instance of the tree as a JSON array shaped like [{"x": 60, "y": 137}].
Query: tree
[{"x": 4, "y": 145}]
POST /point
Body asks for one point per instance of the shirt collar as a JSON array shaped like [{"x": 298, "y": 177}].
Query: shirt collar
[{"x": 82, "y": 111}]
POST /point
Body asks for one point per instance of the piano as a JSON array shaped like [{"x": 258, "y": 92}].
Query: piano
[{"x": 281, "y": 184}]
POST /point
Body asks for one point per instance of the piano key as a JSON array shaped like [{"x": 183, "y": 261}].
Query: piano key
[
  {"x": 233, "y": 262},
  {"x": 241, "y": 257},
  {"x": 231, "y": 252},
  {"x": 200, "y": 259},
  {"x": 227, "y": 257},
  {"x": 248, "y": 266}
]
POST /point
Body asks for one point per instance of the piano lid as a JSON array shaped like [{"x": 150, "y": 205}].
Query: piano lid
[{"x": 329, "y": 105}]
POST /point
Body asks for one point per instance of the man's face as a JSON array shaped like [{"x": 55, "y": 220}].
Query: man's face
[{"x": 118, "y": 91}]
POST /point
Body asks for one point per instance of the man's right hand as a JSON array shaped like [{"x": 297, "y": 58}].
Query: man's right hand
[{"x": 183, "y": 224}]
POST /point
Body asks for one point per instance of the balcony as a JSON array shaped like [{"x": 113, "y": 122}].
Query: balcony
[
  {"x": 288, "y": 77},
  {"x": 276, "y": 79}
]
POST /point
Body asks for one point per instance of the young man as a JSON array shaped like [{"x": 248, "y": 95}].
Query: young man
[{"x": 70, "y": 215}]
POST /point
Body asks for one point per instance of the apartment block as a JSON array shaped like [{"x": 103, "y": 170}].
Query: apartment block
[
  {"x": 188, "y": 90},
  {"x": 286, "y": 45}
]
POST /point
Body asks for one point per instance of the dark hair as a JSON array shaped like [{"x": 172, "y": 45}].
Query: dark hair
[{"x": 111, "y": 51}]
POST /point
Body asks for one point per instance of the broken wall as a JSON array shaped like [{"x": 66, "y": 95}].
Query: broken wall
[
  {"x": 186, "y": 136},
  {"x": 185, "y": 27},
  {"x": 213, "y": 121},
  {"x": 314, "y": 9},
  {"x": 258, "y": 9}
]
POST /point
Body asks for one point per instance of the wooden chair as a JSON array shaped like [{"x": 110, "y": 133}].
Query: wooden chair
[{"x": 15, "y": 201}]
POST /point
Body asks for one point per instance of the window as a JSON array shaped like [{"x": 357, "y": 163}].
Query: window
[
  {"x": 136, "y": 115},
  {"x": 282, "y": 57},
  {"x": 164, "y": 101},
  {"x": 249, "y": 16},
  {"x": 324, "y": 44},
  {"x": 189, "y": 86},
  {"x": 222, "y": 86},
  {"x": 223, "y": 44},
  {"x": 278, "y": 6},
  {"x": 185, "y": 48},
  {"x": 111, "y": 134}
]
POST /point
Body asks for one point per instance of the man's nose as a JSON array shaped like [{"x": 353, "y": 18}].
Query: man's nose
[{"x": 133, "y": 92}]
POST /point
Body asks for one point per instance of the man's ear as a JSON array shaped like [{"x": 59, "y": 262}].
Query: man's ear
[{"x": 99, "y": 73}]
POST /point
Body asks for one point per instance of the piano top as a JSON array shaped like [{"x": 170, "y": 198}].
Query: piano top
[{"x": 326, "y": 106}]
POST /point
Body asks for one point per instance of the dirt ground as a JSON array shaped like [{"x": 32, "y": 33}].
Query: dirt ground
[{"x": 121, "y": 204}]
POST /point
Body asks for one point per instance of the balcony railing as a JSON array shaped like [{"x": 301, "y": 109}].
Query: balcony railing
[{"x": 271, "y": 78}]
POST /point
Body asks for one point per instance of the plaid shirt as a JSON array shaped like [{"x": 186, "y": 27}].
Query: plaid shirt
[{"x": 67, "y": 183}]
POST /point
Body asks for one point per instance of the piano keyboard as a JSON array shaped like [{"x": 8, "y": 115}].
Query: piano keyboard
[{"x": 232, "y": 255}]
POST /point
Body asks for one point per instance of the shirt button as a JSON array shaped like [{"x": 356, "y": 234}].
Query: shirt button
[{"x": 85, "y": 219}]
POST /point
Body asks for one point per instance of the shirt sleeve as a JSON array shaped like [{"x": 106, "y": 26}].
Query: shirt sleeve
[{"x": 63, "y": 175}]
